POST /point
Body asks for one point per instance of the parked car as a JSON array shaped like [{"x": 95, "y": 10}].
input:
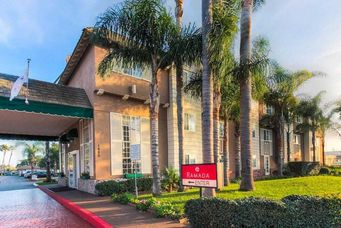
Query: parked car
[{"x": 27, "y": 174}]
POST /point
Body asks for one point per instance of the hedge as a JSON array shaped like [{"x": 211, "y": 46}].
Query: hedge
[
  {"x": 107, "y": 188},
  {"x": 304, "y": 168},
  {"x": 293, "y": 211}
]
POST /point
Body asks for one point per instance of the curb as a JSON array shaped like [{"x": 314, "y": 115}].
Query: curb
[{"x": 86, "y": 215}]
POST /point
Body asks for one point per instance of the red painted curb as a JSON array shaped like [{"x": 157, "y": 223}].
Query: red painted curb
[{"x": 86, "y": 215}]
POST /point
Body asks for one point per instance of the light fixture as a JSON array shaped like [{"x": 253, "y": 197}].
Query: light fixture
[
  {"x": 100, "y": 92},
  {"x": 125, "y": 97},
  {"x": 166, "y": 105},
  {"x": 147, "y": 101}
]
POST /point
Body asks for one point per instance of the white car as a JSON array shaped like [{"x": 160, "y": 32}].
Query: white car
[{"x": 27, "y": 173}]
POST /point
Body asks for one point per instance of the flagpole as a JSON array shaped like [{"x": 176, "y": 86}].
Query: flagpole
[{"x": 28, "y": 72}]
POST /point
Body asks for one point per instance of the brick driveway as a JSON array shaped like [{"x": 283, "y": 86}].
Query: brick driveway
[{"x": 33, "y": 208}]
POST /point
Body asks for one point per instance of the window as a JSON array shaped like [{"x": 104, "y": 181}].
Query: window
[
  {"x": 135, "y": 71},
  {"x": 189, "y": 159},
  {"x": 299, "y": 119},
  {"x": 131, "y": 136},
  {"x": 266, "y": 142},
  {"x": 189, "y": 122},
  {"x": 297, "y": 139},
  {"x": 268, "y": 109},
  {"x": 86, "y": 145},
  {"x": 221, "y": 129},
  {"x": 187, "y": 77}
]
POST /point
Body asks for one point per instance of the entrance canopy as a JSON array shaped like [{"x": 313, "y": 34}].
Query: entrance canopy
[{"x": 51, "y": 111}]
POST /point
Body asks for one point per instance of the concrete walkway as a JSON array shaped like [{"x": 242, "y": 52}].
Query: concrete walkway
[{"x": 116, "y": 214}]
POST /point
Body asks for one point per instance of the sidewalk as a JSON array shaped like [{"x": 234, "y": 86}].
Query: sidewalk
[{"x": 116, "y": 214}]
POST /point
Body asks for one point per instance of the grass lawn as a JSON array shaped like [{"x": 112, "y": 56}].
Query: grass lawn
[{"x": 272, "y": 189}]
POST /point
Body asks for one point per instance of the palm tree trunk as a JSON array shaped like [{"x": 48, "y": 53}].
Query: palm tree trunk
[
  {"x": 323, "y": 155},
  {"x": 216, "y": 120},
  {"x": 154, "y": 116},
  {"x": 179, "y": 103},
  {"x": 207, "y": 92},
  {"x": 3, "y": 158},
  {"x": 238, "y": 167},
  {"x": 226, "y": 153},
  {"x": 280, "y": 145},
  {"x": 179, "y": 86},
  {"x": 10, "y": 158},
  {"x": 247, "y": 183},
  {"x": 48, "y": 161},
  {"x": 313, "y": 140},
  {"x": 288, "y": 143}
]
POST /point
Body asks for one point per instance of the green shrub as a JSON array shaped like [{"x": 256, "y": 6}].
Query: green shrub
[
  {"x": 304, "y": 168},
  {"x": 85, "y": 176},
  {"x": 123, "y": 198},
  {"x": 144, "y": 205},
  {"x": 292, "y": 211},
  {"x": 324, "y": 170},
  {"x": 336, "y": 171},
  {"x": 166, "y": 210},
  {"x": 307, "y": 211},
  {"x": 107, "y": 188},
  {"x": 143, "y": 184}
]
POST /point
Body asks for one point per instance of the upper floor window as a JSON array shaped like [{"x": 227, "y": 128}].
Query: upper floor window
[
  {"x": 299, "y": 119},
  {"x": 221, "y": 129},
  {"x": 86, "y": 145},
  {"x": 136, "y": 71},
  {"x": 297, "y": 139},
  {"x": 189, "y": 122},
  {"x": 266, "y": 142},
  {"x": 187, "y": 76},
  {"x": 268, "y": 109}
]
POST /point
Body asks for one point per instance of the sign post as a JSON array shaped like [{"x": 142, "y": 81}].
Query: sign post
[
  {"x": 199, "y": 175},
  {"x": 135, "y": 156}
]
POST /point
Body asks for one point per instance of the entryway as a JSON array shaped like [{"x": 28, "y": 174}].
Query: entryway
[{"x": 73, "y": 168}]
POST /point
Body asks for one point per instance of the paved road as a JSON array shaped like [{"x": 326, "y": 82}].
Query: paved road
[
  {"x": 8, "y": 183},
  {"x": 30, "y": 207}
]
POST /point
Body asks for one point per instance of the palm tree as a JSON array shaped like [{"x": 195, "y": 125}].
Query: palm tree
[
  {"x": 11, "y": 148},
  {"x": 139, "y": 42},
  {"x": 4, "y": 148},
  {"x": 282, "y": 85},
  {"x": 315, "y": 119},
  {"x": 32, "y": 151},
  {"x": 185, "y": 48},
  {"x": 247, "y": 183},
  {"x": 207, "y": 91},
  {"x": 179, "y": 87}
]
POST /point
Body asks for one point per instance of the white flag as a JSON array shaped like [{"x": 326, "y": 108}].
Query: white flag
[{"x": 18, "y": 84}]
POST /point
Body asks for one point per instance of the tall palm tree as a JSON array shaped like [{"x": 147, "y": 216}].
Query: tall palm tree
[
  {"x": 179, "y": 87},
  {"x": 139, "y": 42},
  {"x": 207, "y": 91},
  {"x": 11, "y": 148},
  {"x": 247, "y": 183},
  {"x": 282, "y": 85},
  {"x": 315, "y": 119},
  {"x": 4, "y": 148},
  {"x": 31, "y": 152}
]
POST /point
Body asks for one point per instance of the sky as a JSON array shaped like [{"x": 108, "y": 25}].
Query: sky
[{"x": 304, "y": 34}]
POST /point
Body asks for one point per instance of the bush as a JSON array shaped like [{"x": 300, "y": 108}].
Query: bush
[
  {"x": 304, "y": 168},
  {"x": 85, "y": 176},
  {"x": 107, "y": 188},
  {"x": 170, "y": 179},
  {"x": 167, "y": 210},
  {"x": 324, "y": 170},
  {"x": 292, "y": 211},
  {"x": 144, "y": 205},
  {"x": 123, "y": 198},
  {"x": 336, "y": 171},
  {"x": 307, "y": 211}
]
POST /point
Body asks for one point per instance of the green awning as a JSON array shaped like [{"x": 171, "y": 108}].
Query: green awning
[{"x": 45, "y": 108}]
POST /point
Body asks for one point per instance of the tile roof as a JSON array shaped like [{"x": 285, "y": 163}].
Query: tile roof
[{"x": 46, "y": 92}]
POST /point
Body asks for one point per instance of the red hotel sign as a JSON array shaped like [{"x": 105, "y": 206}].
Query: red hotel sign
[{"x": 199, "y": 175}]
